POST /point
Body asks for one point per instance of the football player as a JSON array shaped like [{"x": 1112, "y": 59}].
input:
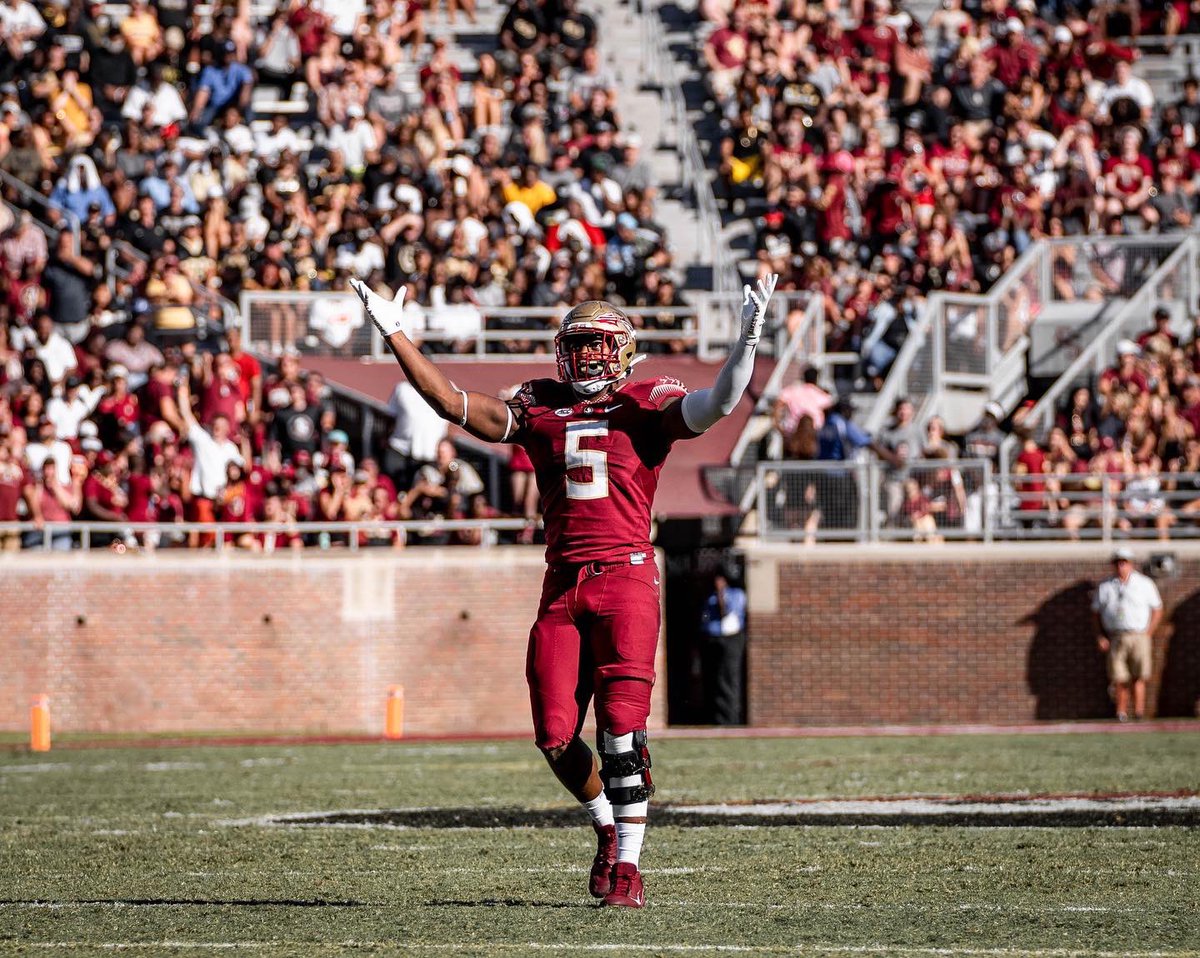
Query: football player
[{"x": 597, "y": 440}]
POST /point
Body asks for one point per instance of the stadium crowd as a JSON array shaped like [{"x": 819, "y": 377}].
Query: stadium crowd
[
  {"x": 891, "y": 158},
  {"x": 1137, "y": 431},
  {"x": 283, "y": 151}
]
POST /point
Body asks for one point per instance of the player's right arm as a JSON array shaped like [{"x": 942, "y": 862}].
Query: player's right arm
[{"x": 483, "y": 416}]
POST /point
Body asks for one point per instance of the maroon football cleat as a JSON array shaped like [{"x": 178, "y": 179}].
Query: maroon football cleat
[
  {"x": 627, "y": 890},
  {"x": 600, "y": 884}
]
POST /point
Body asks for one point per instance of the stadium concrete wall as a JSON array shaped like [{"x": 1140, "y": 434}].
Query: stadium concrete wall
[
  {"x": 950, "y": 634},
  {"x": 191, "y": 643}
]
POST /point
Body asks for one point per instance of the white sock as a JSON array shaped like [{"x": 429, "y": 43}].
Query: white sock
[
  {"x": 600, "y": 810},
  {"x": 629, "y": 840}
]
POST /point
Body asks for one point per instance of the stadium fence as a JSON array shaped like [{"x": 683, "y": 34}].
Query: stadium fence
[{"x": 933, "y": 500}]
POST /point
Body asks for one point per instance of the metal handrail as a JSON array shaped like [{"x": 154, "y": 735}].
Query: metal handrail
[
  {"x": 542, "y": 332},
  {"x": 1043, "y": 411},
  {"x": 928, "y": 331},
  {"x": 87, "y": 529},
  {"x": 34, "y": 197},
  {"x": 1105, "y": 502},
  {"x": 872, "y": 520}
]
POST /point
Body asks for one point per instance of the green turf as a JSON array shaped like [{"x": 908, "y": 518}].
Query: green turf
[{"x": 122, "y": 846}]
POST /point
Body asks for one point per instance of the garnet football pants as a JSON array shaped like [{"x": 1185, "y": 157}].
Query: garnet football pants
[{"x": 596, "y": 633}]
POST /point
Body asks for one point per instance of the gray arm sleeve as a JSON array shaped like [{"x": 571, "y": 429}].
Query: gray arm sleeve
[{"x": 702, "y": 408}]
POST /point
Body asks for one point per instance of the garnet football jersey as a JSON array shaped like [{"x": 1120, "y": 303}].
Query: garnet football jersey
[{"x": 597, "y": 463}]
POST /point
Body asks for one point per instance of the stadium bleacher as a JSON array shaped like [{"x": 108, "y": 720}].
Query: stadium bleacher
[{"x": 161, "y": 162}]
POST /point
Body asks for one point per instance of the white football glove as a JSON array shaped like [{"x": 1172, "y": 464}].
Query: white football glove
[
  {"x": 388, "y": 317},
  {"x": 754, "y": 308}
]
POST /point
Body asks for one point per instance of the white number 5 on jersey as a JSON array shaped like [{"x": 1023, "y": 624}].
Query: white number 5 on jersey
[{"x": 594, "y": 459}]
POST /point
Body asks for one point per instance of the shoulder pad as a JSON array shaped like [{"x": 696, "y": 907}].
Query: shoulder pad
[
  {"x": 537, "y": 393},
  {"x": 656, "y": 392}
]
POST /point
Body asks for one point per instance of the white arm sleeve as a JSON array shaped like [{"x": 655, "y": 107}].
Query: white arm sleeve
[{"x": 702, "y": 408}]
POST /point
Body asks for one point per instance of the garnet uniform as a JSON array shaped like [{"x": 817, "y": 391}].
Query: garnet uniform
[
  {"x": 597, "y": 466},
  {"x": 596, "y": 443}
]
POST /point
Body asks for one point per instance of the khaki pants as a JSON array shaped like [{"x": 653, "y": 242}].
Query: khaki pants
[{"x": 1129, "y": 657}]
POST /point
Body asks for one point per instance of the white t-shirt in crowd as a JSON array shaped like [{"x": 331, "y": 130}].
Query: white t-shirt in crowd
[
  {"x": 354, "y": 141},
  {"x": 269, "y": 144},
  {"x": 1126, "y": 606},
  {"x": 57, "y": 354},
  {"x": 36, "y": 453},
  {"x": 67, "y": 414},
  {"x": 1136, "y": 89},
  {"x": 167, "y": 105},
  {"x": 418, "y": 429},
  {"x": 212, "y": 459},
  {"x": 343, "y": 14},
  {"x": 22, "y": 18},
  {"x": 469, "y": 483}
]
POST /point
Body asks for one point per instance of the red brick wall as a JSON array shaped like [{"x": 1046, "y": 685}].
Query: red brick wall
[
  {"x": 916, "y": 634},
  {"x": 196, "y": 643}
]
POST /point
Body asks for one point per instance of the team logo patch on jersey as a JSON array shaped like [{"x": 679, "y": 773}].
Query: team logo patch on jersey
[{"x": 563, "y": 412}]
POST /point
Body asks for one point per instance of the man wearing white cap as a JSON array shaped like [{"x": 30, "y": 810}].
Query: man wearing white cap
[{"x": 1128, "y": 609}]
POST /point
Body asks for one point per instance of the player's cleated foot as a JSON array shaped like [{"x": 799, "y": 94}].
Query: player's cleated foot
[
  {"x": 600, "y": 884},
  {"x": 627, "y": 890}
]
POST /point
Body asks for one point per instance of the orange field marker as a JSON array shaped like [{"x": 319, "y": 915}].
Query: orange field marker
[
  {"x": 393, "y": 725},
  {"x": 39, "y": 724}
]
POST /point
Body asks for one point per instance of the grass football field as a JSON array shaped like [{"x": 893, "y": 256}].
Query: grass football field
[{"x": 189, "y": 851}]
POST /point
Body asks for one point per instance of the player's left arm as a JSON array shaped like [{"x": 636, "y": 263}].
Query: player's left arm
[{"x": 696, "y": 412}]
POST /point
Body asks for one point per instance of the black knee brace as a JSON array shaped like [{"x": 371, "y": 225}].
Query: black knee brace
[{"x": 617, "y": 768}]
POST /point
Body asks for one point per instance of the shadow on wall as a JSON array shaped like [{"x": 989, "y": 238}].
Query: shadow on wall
[
  {"x": 1066, "y": 672},
  {"x": 1179, "y": 692}
]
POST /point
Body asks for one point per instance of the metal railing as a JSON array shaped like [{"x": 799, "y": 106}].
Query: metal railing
[
  {"x": 979, "y": 342},
  {"x": 270, "y": 536},
  {"x": 1175, "y": 280},
  {"x": 937, "y": 500},
  {"x": 930, "y": 500},
  {"x": 21, "y": 197},
  {"x": 1104, "y": 506},
  {"x": 333, "y": 324}
]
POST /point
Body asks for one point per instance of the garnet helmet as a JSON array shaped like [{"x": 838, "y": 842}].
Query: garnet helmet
[{"x": 594, "y": 347}]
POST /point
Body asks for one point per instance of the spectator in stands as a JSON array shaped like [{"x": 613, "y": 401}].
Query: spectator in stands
[
  {"x": 224, "y": 82},
  {"x": 984, "y": 441},
  {"x": 837, "y": 492},
  {"x": 797, "y": 417},
  {"x": 902, "y": 439},
  {"x": 212, "y": 452},
  {"x": 135, "y": 354},
  {"x": 51, "y": 348},
  {"x": 59, "y": 501},
  {"x": 416, "y": 436},
  {"x": 19, "y": 497}
]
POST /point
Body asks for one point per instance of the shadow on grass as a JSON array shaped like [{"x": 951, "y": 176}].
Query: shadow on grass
[
  {"x": 183, "y": 902},
  {"x": 507, "y": 903},
  {"x": 996, "y": 812}
]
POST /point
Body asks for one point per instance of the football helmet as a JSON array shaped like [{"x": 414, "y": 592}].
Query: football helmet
[{"x": 594, "y": 347}]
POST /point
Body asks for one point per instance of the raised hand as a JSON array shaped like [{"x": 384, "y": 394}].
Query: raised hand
[
  {"x": 388, "y": 317},
  {"x": 754, "y": 308}
]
